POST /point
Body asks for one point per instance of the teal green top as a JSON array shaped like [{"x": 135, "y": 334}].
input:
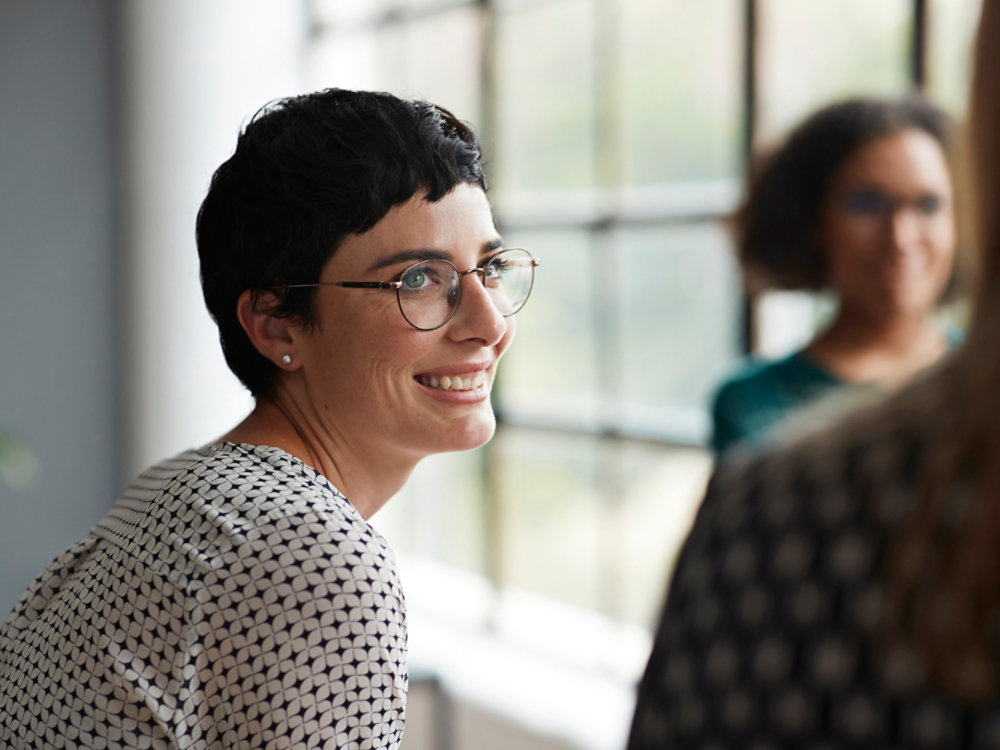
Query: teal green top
[
  {"x": 751, "y": 402},
  {"x": 761, "y": 394}
]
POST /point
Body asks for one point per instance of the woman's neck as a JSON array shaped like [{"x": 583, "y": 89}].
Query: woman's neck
[
  {"x": 367, "y": 482},
  {"x": 890, "y": 351}
]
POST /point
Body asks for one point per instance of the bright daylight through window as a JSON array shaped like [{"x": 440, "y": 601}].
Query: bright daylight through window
[{"x": 617, "y": 137}]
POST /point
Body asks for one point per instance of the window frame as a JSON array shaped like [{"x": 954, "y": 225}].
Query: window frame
[{"x": 604, "y": 218}]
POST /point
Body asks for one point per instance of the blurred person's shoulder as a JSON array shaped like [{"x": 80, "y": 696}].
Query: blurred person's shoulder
[
  {"x": 761, "y": 393},
  {"x": 864, "y": 442},
  {"x": 753, "y": 373}
]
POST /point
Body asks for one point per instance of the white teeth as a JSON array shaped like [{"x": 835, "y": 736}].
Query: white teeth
[{"x": 454, "y": 382}]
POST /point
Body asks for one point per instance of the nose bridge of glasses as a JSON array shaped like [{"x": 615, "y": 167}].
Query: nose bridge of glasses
[
  {"x": 480, "y": 271},
  {"x": 481, "y": 274},
  {"x": 477, "y": 269},
  {"x": 493, "y": 275},
  {"x": 898, "y": 208},
  {"x": 495, "y": 290}
]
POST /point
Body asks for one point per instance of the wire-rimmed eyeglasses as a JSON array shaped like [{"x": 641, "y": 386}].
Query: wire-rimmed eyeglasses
[{"x": 429, "y": 292}]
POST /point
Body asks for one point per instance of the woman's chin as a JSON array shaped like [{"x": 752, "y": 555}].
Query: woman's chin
[{"x": 471, "y": 434}]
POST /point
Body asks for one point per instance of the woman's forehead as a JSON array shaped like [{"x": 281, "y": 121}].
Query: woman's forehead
[
  {"x": 910, "y": 152},
  {"x": 460, "y": 223}
]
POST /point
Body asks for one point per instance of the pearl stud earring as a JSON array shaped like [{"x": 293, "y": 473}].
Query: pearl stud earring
[{"x": 287, "y": 359}]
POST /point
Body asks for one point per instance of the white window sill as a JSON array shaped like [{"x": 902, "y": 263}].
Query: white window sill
[{"x": 555, "y": 669}]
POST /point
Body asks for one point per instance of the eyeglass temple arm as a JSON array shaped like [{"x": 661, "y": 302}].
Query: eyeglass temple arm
[
  {"x": 351, "y": 284},
  {"x": 379, "y": 284}
]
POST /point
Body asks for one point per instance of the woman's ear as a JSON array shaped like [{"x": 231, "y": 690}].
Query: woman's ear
[{"x": 271, "y": 336}]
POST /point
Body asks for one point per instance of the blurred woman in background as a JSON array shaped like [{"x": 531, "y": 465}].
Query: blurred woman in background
[
  {"x": 843, "y": 591},
  {"x": 858, "y": 201}
]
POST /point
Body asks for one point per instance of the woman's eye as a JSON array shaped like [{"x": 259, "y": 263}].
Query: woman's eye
[
  {"x": 929, "y": 204},
  {"x": 423, "y": 276},
  {"x": 868, "y": 203},
  {"x": 416, "y": 278}
]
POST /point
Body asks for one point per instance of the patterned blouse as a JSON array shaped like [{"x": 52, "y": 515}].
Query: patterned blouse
[
  {"x": 772, "y": 635},
  {"x": 232, "y": 598}
]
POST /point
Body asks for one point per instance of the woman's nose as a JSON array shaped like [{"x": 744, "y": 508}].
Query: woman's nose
[
  {"x": 906, "y": 225},
  {"x": 477, "y": 316}
]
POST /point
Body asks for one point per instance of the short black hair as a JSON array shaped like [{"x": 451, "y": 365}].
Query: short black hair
[
  {"x": 308, "y": 171},
  {"x": 776, "y": 228}
]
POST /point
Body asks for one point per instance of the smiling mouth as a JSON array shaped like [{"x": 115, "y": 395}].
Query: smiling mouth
[{"x": 469, "y": 382}]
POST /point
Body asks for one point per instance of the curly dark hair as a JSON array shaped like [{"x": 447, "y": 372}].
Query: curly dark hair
[
  {"x": 776, "y": 228},
  {"x": 308, "y": 171}
]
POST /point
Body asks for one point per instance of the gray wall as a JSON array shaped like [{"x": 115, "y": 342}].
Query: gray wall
[{"x": 59, "y": 358}]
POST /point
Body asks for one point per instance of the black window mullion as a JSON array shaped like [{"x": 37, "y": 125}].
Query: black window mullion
[
  {"x": 492, "y": 458},
  {"x": 748, "y": 319},
  {"x": 918, "y": 45}
]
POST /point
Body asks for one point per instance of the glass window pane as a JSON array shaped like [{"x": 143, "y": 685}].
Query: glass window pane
[
  {"x": 545, "y": 109},
  {"x": 335, "y": 12},
  {"x": 662, "y": 488},
  {"x": 788, "y": 320},
  {"x": 550, "y": 371},
  {"x": 430, "y": 4},
  {"x": 442, "y": 54},
  {"x": 594, "y": 522},
  {"x": 439, "y": 513},
  {"x": 812, "y": 53},
  {"x": 951, "y": 25},
  {"x": 551, "y": 514},
  {"x": 681, "y": 97},
  {"x": 434, "y": 58},
  {"x": 680, "y": 299},
  {"x": 348, "y": 61}
]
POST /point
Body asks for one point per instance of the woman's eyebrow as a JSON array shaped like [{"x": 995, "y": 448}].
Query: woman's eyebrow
[
  {"x": 491, "y": 246},
  {"x": 414, "y": 255}
]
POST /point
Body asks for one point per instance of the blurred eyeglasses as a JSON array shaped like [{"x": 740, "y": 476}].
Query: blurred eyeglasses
[
  {"x": 877, "y": 205},
  {"x": 429, "y": 292}
]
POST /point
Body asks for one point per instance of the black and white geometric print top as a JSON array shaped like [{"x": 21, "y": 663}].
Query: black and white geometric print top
[
  {"x": 770, "y": 636},
  {"x": 232, "y": 598}
]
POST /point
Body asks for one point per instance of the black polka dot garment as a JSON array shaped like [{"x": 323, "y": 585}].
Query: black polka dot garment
[
  {"x": 231, "y": 599},
  {"x": 769, "y": 636}
]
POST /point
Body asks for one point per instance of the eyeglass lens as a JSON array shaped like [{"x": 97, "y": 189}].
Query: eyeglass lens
[
  {"x": 876, "y": 204},
  {"x": 431, "y": 290}
]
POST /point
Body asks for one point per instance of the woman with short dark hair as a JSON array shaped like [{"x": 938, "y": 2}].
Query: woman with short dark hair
[
  {"x": 857, "y": 201},
  {"x": 236, "y": 595}
]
